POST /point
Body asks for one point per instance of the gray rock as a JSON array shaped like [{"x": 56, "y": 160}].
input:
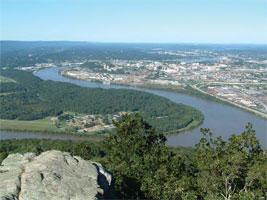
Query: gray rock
[{"x": 52, "y": 175}]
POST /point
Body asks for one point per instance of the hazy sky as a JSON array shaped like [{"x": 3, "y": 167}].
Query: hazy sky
[{"x": 197, "y": 21}]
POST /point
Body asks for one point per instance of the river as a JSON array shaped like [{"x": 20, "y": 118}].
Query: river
[{"x": 224, "y": 120}]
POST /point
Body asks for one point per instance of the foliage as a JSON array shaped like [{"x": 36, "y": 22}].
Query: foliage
[
  {"x": 85, "y": 149},
  {"x": 32, "y": 98},
  {"x": 142, "y": 164},
  {"x": 217, "y": 169},
  {"x": 145, "y": 168},
  {"x": 231, "y": 170},
  {"x": 21, "y": 53}
]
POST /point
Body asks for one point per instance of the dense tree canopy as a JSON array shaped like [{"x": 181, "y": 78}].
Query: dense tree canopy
[
  {"x": 32, "y": 98},
  {"x": 145, "y": 168},
  {"x": 231, "y": 170}
]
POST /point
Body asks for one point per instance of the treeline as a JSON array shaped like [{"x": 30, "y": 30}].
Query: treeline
[
  {"x": 17, "y": 53},
  {"x": 31, "y": 98},
  {"x": 86, "y": 149},
  {"x": 143, "y": 167}
]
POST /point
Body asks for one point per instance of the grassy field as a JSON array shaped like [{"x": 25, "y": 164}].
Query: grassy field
[
  {"x": 47, "y": 126},
  {"x": 5, "y": 79},
  {"x": 42, "y": 125}
]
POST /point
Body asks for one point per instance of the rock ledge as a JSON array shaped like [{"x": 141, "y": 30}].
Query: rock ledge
[{"x": 52, "y": 175}]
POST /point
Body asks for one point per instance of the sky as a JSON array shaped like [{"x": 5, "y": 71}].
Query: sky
[{"x": 137, "y": 21}]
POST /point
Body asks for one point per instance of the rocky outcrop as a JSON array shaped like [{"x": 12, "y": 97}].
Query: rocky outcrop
[{"x": 52, "y": 175}]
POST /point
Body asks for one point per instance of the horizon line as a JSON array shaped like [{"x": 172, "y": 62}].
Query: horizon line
[{"x": 124, "y": 42}]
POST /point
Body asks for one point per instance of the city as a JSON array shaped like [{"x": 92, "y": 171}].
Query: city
[
  {"x": 233, "y": 78},
  {"x": 133, "y": 99}
]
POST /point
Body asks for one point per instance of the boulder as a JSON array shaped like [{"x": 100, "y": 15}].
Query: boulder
[{"x": 52, "y": 175}]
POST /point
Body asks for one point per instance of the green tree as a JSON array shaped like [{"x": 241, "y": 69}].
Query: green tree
[
  {"x": 231, "y": 170},
  {"x": 143, "y": 166}
]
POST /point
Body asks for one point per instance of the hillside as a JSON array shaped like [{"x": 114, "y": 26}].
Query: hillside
[{"x": 30, "y": 98}]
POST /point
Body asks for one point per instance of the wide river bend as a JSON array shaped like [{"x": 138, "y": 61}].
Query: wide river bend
[{"x": 222, "y": 119}]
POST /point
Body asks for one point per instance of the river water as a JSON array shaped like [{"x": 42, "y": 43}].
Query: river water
[{"x": 223, "y": 120}]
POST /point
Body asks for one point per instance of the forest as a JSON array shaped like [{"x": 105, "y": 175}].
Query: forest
[
  {"x": 143, "y": 166},
  {"x": 19, "y": 53},
  {"x": 30, "y": 98}
]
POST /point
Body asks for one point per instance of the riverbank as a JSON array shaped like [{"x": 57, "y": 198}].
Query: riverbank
[
  {"x": 188, "y": 89},
  {"x": 50, "y": 99},
  {"x": 47, "y": 126},
  {"x": 41, "y": 126},
  {"x": 222, "y": 118},
  {"x": 194, "y": 124},
  {"x": 260, "y": 114}
]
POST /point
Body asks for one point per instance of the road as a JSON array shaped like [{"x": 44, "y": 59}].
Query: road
[{"x": 233, "y": 103}]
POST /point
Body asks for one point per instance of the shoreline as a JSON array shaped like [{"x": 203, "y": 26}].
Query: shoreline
[
  {"x": 179, "y": 90},
  {"x": 45, "y": 127},
  {"x": 70, "y": 136},
  {"x": 256, "y": 112},
  {"x": 187, "y": 91},
  {"x": 190, "y": 126}
]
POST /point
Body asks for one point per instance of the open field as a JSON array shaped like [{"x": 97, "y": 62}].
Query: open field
[
  {"x": 42, "y": 125},
  {"x": 47, "y": 125},
  {"x": 5, "y": 79}
]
